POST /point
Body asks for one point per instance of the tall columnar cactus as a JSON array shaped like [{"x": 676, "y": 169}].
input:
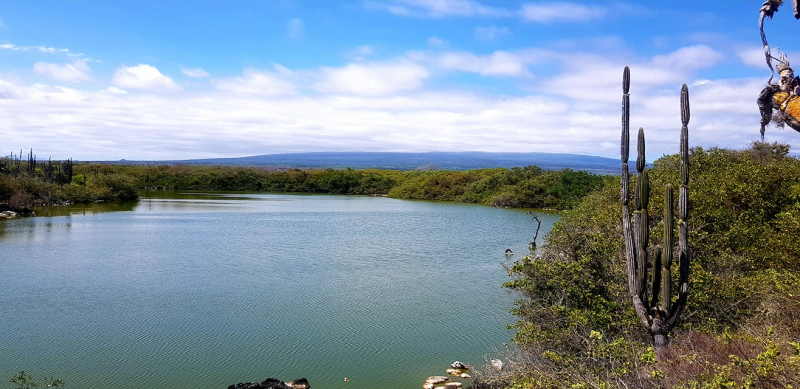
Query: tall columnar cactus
[
  {"x": 652, "y": 299},
  {"x": 31, "y": 164}
]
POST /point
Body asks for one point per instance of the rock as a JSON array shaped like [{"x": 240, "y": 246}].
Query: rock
[
  {"x": 245, "y": 385},
  {"x": 8, "y": 215},
  {"x": 459, "y": 365},
  {"x": 453, "y": 372},
  {"x": 465, "y": 376},
  {"x": 300, "y": 383},
  {"x": 453, "y": 385},
  {"x": 437, "y": 379},
  {"x": 427, "y": 385},
  {"x": 496, "y": 364},
  {"x": 272, "y": 383}
]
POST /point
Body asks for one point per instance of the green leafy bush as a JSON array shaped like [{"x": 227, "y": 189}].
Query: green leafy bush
[
  {"x": 576, "y": 322},
  {"x": 115, "y": 187},
  {"x": 527, "y": 187}
]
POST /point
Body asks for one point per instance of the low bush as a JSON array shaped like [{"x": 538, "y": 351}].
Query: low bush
[{"x": 740, "y": 329}]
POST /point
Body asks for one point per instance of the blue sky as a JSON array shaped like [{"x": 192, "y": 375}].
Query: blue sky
[{"x": 194, "y": 79}]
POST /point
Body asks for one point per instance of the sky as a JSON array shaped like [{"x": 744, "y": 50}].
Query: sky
[{"x": 162, "y": 80}]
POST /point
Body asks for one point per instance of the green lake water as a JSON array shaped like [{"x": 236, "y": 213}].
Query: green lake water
[{"x": 207, "y": 290}]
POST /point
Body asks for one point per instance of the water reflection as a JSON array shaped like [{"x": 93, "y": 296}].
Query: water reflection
[
  {"x": 84, "y": 209},
  {"x": 207, "y": 195},
  {"x": 203, "y": 290},
  {"x": 145, "y": 196}
]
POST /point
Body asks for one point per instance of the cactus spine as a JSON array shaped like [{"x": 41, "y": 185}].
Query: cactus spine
[{"x": 653, "y": 304}]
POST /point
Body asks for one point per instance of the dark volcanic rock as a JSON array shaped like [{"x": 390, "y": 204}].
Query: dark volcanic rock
[
  {"x": 300, "y": 383},
  {"x": 272, "y": 383}
]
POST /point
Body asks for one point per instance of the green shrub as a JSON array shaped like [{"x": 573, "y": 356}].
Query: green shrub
[
  {"x": 745, "y": 280},
  {"x": 119, "y": 187}
]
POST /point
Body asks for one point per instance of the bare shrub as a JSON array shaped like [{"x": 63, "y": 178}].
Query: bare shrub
[
  {"x": 20, "y": 200},
  {"x": 515, "y": 364},
  {"x": 699, "y": 360}
]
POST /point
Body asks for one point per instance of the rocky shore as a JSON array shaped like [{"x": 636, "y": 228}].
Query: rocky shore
[
  {"x": 9, "y": 213},
  {"x": 457, "y": 369},
  {"x": 272, "y": 383}
]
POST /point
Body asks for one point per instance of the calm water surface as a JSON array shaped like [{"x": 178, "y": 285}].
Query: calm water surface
[{"x": 207, "y": 290}]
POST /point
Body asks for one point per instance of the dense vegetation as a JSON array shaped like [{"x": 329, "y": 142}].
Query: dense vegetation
[
  {"x": 25, "y": 184},
  {"x": 21, "y": 186},
  {"x": 528, "y": 187},
  {"x": 518, "y": 187},
  {"x": 577, "y": 327},
  {"x": 576, "y": 324}
]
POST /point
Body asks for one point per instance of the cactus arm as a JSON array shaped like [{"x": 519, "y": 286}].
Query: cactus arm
[
  {"x": 666, "y": 278},
  {"x": 641, "y": 252},
  {"x": 656, "y": 280},
  {"x": 626, "y": 114},
  {"x": 645, "y": 183},
  {"x": 683, "y": 212},
  {"x": 627, "y": 230},
  {"x": 640, "y": 162},
  {"x": 642, "y": 224}
]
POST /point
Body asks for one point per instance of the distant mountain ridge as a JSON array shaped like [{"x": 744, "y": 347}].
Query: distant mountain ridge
[{"x": 410, "y": 161}]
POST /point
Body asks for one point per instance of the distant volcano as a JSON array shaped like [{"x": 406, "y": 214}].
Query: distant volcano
[{"x": 422, "y": 161}]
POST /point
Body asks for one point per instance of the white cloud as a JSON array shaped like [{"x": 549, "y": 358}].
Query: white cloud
[
  {"x": 43, "y": 49},
  {"x": 194, "y": 72},
  {"x": 255, "y": 82},
  {"x": 360, "y": 53},
  {"x": 68, "y": 97},
  {"x": 114, "y": 90},
  {"x": 572, "y": 105},
  {"x": 372, "y": 79},
  {"x": 689, "y": 58},
  {"x": 72, "y": 72},
  {"x": 724, "y": 113},
  {"x": 490, "y": 33},
  {"x": 753, "y": 56},
  {"x": 539, "y": 12},
  {"x": 9, "y": 90},
  {"x": 436, "y": 42},
  {"x": 594, "y": 78},
  {"x": 560, "y": 12},
  {"x": 294, "y": 28},
  {"x": 499, "y": 63},
  {"x": 146, "y": 77},
  {"x": 110, "y": 124},
  {"x": 589, "y": 79},
  {"x": 440, "y": 8}
]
